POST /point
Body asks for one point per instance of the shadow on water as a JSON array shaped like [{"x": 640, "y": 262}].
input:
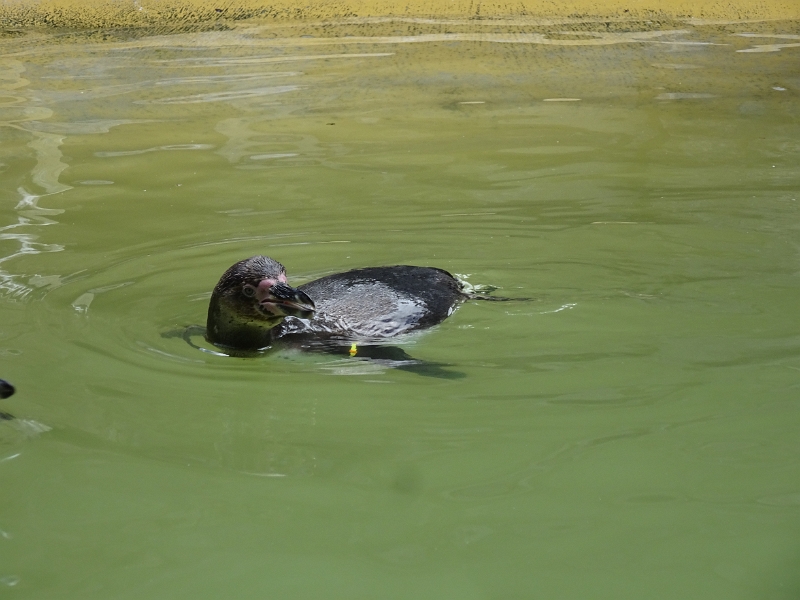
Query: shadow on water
[{"x": 359, "y": 358}]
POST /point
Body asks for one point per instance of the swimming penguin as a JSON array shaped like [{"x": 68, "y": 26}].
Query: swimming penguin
[{"x": 253, "y": 305}]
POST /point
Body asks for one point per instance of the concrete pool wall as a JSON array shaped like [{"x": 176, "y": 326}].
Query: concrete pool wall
[{"x": 182, "y": 14}]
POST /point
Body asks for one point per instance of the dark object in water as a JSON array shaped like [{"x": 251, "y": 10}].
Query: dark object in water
[
  {"x": 252, "y": 305},
  {"x": 6, "y": 389}
]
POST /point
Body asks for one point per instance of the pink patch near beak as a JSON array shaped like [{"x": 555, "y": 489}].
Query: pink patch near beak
[{"x": 262, "y": 291}]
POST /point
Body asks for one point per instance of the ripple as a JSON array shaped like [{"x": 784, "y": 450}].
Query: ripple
[
  {"x": 82, "y": 127},
  {"x": 82, "y": 302},
  {"x": 273, "y": 156},
  {"x": 676, "y": 66},
  {"x": 154, "y": 149},
  {"x": 254, "y": 60},
  {"x": 224, "y": 96},
  {"x": 770, "y": 47},
  {"x": 684, "y": 96},
  {"x": 213, "y": 79},
  {"x": 580, "y": 38},
  {"x": 549, "y": 150},
  {"x": 30, "y": 215}
]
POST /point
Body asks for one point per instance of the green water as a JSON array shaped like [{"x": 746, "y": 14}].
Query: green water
[{"x": 630, "y": 432}]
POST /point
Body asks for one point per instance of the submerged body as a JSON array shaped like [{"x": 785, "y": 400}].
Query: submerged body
[{"x": 252, "y": 305}]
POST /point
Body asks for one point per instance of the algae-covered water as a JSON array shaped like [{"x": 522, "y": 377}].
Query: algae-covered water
[{"x": 630, "y": 430}]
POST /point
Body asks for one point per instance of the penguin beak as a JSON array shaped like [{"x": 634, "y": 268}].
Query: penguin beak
[{"x": 283, "y": 300}]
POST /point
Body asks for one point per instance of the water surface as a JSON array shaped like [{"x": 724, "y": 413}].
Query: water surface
[{"x": 630, "y": 431}]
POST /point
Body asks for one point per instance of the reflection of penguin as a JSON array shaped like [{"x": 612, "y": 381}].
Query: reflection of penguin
[{"x": 6, "y": 390}]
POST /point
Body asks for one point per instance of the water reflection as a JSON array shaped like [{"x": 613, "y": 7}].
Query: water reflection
[
  {"x": 202, "y": 62},
  {"x": 224, "y": 96},
  {"x": 155, "y": 149},
  {"x": 770, "y": 47},
  {"x": 45, "y": 174}
]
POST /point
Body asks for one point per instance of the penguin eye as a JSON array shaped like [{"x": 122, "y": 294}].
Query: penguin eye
[{"x": 249, "y": 291}]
